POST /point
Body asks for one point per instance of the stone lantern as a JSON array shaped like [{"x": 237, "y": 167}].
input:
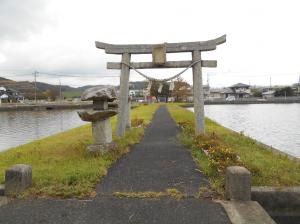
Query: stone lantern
[{"x": 99, "y": 116}]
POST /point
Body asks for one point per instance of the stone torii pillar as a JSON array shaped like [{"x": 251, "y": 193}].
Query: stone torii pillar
[
  {"x": 159, "y": 60},
  {"x": 198, "y": 94},
  {"x": 123, "y": 96}
]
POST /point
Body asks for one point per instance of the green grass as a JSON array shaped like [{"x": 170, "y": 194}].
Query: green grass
[
  {"x": 72, "y": 93},
  {"x": 62, "y": 168},
  {"x": 268, "y": 169}
]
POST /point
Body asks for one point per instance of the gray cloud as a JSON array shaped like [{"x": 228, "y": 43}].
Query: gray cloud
[
  {"x": 19, "y": 19},
  {"x": 57, "y": 36}
]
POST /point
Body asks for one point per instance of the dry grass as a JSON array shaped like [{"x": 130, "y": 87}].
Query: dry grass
[{"x": 171, "y": 192}]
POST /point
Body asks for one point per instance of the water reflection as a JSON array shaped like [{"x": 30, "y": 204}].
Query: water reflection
[
  {"x": 19, "y": 127},
  {"x": 277, "y": 125}
]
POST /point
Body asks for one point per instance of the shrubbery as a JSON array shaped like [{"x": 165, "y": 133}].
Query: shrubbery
[
  {"x": 220, "y": 156},
  {"x": 137, "y": 122}
]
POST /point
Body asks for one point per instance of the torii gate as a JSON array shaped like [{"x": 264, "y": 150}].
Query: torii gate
[{"x": 158, "y": 52}]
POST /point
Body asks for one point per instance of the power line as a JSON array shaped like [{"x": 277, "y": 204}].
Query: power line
[{"x": 105, "y": 75}]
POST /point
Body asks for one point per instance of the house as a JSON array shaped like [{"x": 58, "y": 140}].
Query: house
[
  {"x": 10, "y": 95},
  {"x": 136, "y": 93},
  {"x": 3, "y": 95},
  {"x": 240, "y": 90},
  {"x": 215, "y": 93},
  {"x": 3, "y": 98},
  {"x": 190, "y": 95},
  {"x": 220, "y": 93},
  {"x": 297, "y": 87},
  {"x": 268, "y": 94}
]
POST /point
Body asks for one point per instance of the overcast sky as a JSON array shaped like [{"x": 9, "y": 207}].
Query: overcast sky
[{"x": 57, "y": 37}]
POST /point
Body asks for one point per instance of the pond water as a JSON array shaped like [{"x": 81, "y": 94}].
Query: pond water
[
  {"x": 20, "y": 127},
  {"x": 277, "y": 125}
]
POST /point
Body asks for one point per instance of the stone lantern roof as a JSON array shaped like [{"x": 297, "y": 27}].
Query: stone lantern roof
[{"x": 99, "y": 93}]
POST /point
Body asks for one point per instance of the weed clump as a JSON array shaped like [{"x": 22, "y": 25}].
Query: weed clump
[
  {"x": 171, "y": 192},
  {"x": 137, "y": 122},
  {"x": 219, "y": 154}
]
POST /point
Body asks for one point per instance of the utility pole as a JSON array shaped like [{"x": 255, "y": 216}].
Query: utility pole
[
  {"x": 60, "y": 96},
  {"x": 285, "y": 95},
  {"x": 270, "y": 82},
  {"x": 35, "y": 73},
  {"x": 208, "y": 79}
]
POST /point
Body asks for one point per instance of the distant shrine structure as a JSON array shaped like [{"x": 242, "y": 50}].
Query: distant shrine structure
[{"x": 159, "y": 60}]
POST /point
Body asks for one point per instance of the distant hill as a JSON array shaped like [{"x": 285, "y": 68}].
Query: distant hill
[
  {"x": 27, "y": 88},
  {"x": 4, "y": 79}
]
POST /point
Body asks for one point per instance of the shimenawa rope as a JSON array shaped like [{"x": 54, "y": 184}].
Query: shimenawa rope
[{"x": 161, "y": 80}]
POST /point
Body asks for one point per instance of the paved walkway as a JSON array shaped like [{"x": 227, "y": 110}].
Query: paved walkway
[{"x": 157, "y": 163}]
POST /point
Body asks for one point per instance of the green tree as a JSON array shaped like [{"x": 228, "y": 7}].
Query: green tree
[
  {"x": 164, "y": 92},
  {"x": 181, "y": 90},
  {"x": 256, "y": 92},
  {"x": 52, "y": 94}
]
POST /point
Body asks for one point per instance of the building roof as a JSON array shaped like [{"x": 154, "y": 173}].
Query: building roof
[
  {"x": 4, "y": 96},
  {"x": 226, "y": 90},
  {"x": 239, "y": 85},
  {"x": 271, "y": 92},
  {"x": 221, "y": 90}
]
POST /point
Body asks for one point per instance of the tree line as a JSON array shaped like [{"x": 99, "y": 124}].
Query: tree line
[{"x": 180, "y": 91}]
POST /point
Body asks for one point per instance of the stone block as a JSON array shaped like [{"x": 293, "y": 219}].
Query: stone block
[
  {"x": 238, "y": 183},
  {"x": 17, "y": 179},
  {"x": 159, "y": 54}
]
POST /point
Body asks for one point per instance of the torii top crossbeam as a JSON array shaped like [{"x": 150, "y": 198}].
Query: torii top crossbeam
[{"x": 208, "y": 45}]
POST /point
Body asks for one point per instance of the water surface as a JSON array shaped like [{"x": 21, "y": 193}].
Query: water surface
[{"x": 20, "y": 127}]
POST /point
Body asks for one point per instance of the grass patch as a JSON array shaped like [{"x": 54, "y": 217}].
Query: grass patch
[
  {"x": 62, "y": 168},
  {"x": 72, "y": 93},
  {"x": 171, "y": 192},
  {"x": 232, "y": 148}
]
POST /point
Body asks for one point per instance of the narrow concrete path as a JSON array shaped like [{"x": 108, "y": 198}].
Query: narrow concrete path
[{"x": 158, "y": 162}]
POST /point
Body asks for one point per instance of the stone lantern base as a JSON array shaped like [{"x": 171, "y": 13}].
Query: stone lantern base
[{"x": 102, "y": 135}]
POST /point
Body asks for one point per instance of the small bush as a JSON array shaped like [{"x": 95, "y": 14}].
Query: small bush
[
  {"x": 222, "y": 157},
  {"x": 136, "y": 122},
  {"x": 206, "y": 142},
  {"x": 187, "y": 126}
]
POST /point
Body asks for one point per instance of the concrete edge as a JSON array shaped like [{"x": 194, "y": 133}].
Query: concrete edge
[
  {"x": 282, "y": 201},
  {"x": 246, "y": 212}
]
